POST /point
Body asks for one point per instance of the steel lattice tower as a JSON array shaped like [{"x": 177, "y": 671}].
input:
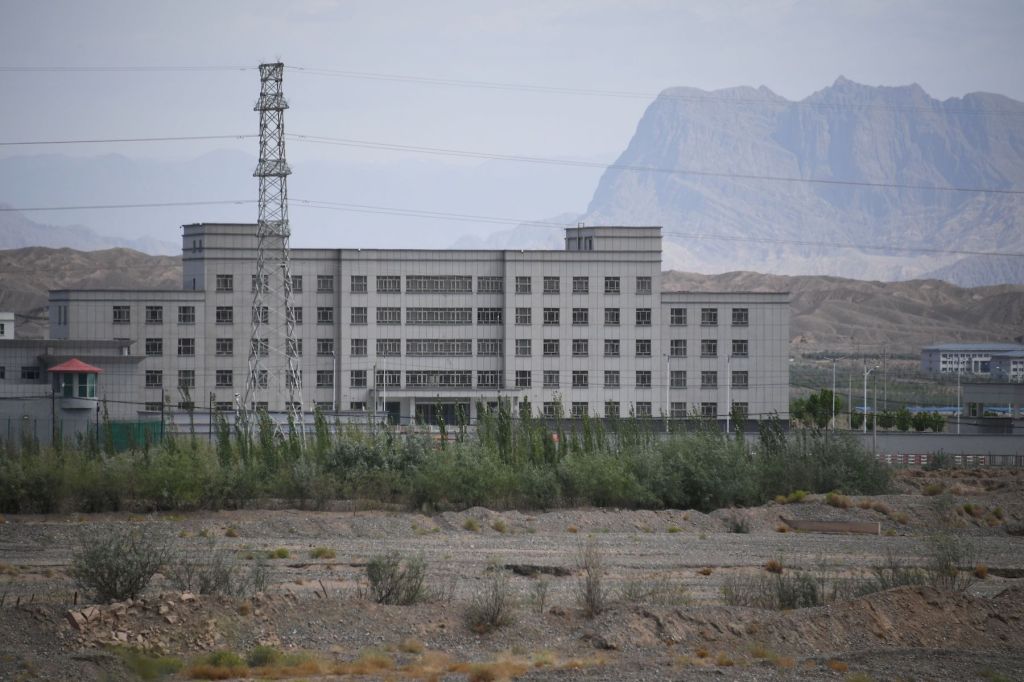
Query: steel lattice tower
[{"x": 273, "y": 357}]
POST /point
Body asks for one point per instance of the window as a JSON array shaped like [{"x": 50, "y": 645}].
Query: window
[
  {"x": 643, "y": 348},
  {"x": 709, "y": 379},
  {"x": 611, "y": 409},
  {"x": 490, "y": 285},
  {"x": 643, "y": 317},
  {"x": 489, "y": 315},
  {"x": 296, "y": 284},
  {"x": 708, "y": 348},
  {"x": 552, "y": 378},
  {"x": 389, "y": 284},
  {"x": 186, "y": 378},
  {"x": 552, "y": 410},
  {"x": 677, "y": 317},
  {"x": 740, "y": 348},
  {"x": 740, "y": 379},
  {"x": 490, "y": 347},
  {"x": 154, "y": 314},
  {"x": 390, "y": 378},
  {"x": 358, "y": 284},
  {"x": 296, "y": 315},
  {"x": 357, "y": 405},
  {"x": 581, "y": 285},
  {"x": 580, "y": 348},
  {"x": 187, "y": 314},
  {"x": 551, "y": 348},
  {"x": 523, "y": 285},
  {"x": 389, "y": 347},
  {"x": 740, "y": 317},
  {"x": 357, "y": 378},
  {"x": 154, "y": 378},
  {"x": 643, "y": 378},
  {"x": 261, "y": 313},
  {"x": 611, "y": 316},
  {"x": 358, "y": 347},
  {"x": 581, "y": 316},
  {"x": 709, "y": 410},
  {"x": 523, "y": 316},
  {"x": 225, "y": 282},
  {"x": 522, "y": 378},
  {"x": 158, "y": 407},
  {"x": 225, "y": 346},
  {"x": 678, "y": 410},
  {"x": 709, "y": 317},
  {"x": 186, "y": 346},
  {"x": 325, "y": 346},
  {"x": 224, "y": 314},
  {"x": 154, "y": 347},
  {"x": 324, "y": 315},
  {"x": 265, "y": 280},
  {"x": 611, "y": 378},
  {"x": 438, "y": 347},
  {"x": 224, "y": 378},
  {"x": 677, "y": 379},
  {"x": 443, "y": 284},
  {"x": 551, "y": 316},
  {"x": 122, "y": 314},
  {"x": 643, "y": 408},
  {"x": 643, "y": 285},
  {"x": 677, "y": 348},
  {"x": 263, "y": 381},
  {"x": 611, "y": 348},
  {"x": 30, "y": 373},
  {"x": 488, "y": 379},
  {"x": 431, "y": 316},
  {"x": 358, "y": 315},
  {"x": 293, "y": 348},
  {"x": 578, "y": 410},
  {"x": 325, "y": 284},
  {"x": 260, "y": 347},
  {"x": 552, "y": 285},
  {"x": 325, "y": 378},
  {"x": 611, "y": 285},
  {"x": 523, "y": 348}
]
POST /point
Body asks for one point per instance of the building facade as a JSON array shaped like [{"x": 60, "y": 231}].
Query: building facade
[
  {"x": 420, "y": 334},
  {"x": 963, "y": 358},
  {"x": 1007, "y": 366}
]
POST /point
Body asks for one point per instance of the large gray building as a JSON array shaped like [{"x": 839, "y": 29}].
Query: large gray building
[
  {"x": 963, "y": 358},
  {"x": 418, "y": 333}
]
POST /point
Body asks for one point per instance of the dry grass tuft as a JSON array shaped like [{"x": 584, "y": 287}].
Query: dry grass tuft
[
  {"x": 723, "y": 660},
  {"x": 781, "y": 528},
  {"x": 837, "y": 666},
  {"x": 773, "y": 566},
  {"x": 500, "y": 526},
  {"x": 933, "y": 489},
  {"x": 839, "y": 501},
  {"x": 471, "y": 524},
  {"x": 864, "y": 504},
  {"x": 981, "y": 571},
  {"x": 370, "y": 662},
  {"x": 231, "y": 532},
  {"x": 707, "y": 570},
  {"x": 881, "y": 508},
  {"x": 701, "y": 652},
  {"x": 279, "y": 553},
  {"x": 411, "y": 645},
  {"x": 674, "y": 529},
  {"x": 573, "y": 529}
]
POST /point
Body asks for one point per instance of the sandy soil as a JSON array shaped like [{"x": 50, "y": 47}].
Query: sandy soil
[{"x": 680, "y": 629}]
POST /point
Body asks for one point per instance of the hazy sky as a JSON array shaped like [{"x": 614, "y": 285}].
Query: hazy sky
[{"x": 950, "y": 47}]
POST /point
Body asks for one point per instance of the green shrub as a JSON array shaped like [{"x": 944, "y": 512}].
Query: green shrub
[
  {"x": 394, "y": 580},
  {"x": 118, "y": 563},
  {"x": 262, "y": 656},
  {"x": 591, "y": 589}
]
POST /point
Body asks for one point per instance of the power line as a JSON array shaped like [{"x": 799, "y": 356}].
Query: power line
[
  {"x": 709, "y": 98},
  {"x": 86, "y": 207},
  {"x": 443, "y": 151},
  {"x": 124, "y": 69},
  {"x": 184, "y": 138}
]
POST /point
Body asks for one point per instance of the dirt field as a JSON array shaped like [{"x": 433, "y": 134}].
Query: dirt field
[{"x": 672, "y": 624}]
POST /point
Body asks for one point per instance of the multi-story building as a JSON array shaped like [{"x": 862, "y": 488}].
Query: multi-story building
[
  {"x": 423, "y": 333},
  {"x": 1007, "y": 366},
  {"x": 962, "y": 358}
]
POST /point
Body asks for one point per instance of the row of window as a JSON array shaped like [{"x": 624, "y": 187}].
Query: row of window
[
  {"x": 524, "y": 379},
  {"x": 225, "y": 315},
  {"x": 225, "y": 378},
  {"x": 324, "y": 283},
  {"x": 612, "y": 409}
]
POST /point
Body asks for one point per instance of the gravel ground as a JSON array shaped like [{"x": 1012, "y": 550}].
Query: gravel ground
[{"x": 680, "y": 630}]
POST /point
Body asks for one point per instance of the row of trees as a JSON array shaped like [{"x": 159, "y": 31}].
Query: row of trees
[{"x": 817, "y": 410}]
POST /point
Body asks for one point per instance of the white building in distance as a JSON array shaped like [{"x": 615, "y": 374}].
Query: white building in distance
[{"x": 963, "y": 358}]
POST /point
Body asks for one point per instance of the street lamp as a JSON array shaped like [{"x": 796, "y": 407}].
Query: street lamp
[
  {"x": 728, "y": 392},
  {"x": 834, "y": 360},
  {"x": 865, "y": 411}
]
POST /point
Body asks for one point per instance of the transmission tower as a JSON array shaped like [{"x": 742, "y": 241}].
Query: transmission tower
[{"x": 273, "y": 356}]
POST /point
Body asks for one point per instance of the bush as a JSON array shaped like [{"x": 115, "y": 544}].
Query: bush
[
  {"x": 945, "y": 555},
  {"x": 839, "y": 501},
  {"x": 933, "y": 489},
  {"x": 493, "y": 606},
  {"x": 394, "y": 580},
  {"x": 774, "y": 591},
  {"x": 214, "y": 570},
  {"x": 737, "y": 523},
  {"x": 591, "y": 592},
  {"x": 322, "y": 553},
  {"x": 262, "y": 656},
  {"x": 117, "y": 564}
]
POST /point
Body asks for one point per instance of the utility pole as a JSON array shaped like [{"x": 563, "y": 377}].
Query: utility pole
[
  {"x": 728, "y": 392},
  {"x": 834, "y": 360},
  {"x": 865, "y": 411}
]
